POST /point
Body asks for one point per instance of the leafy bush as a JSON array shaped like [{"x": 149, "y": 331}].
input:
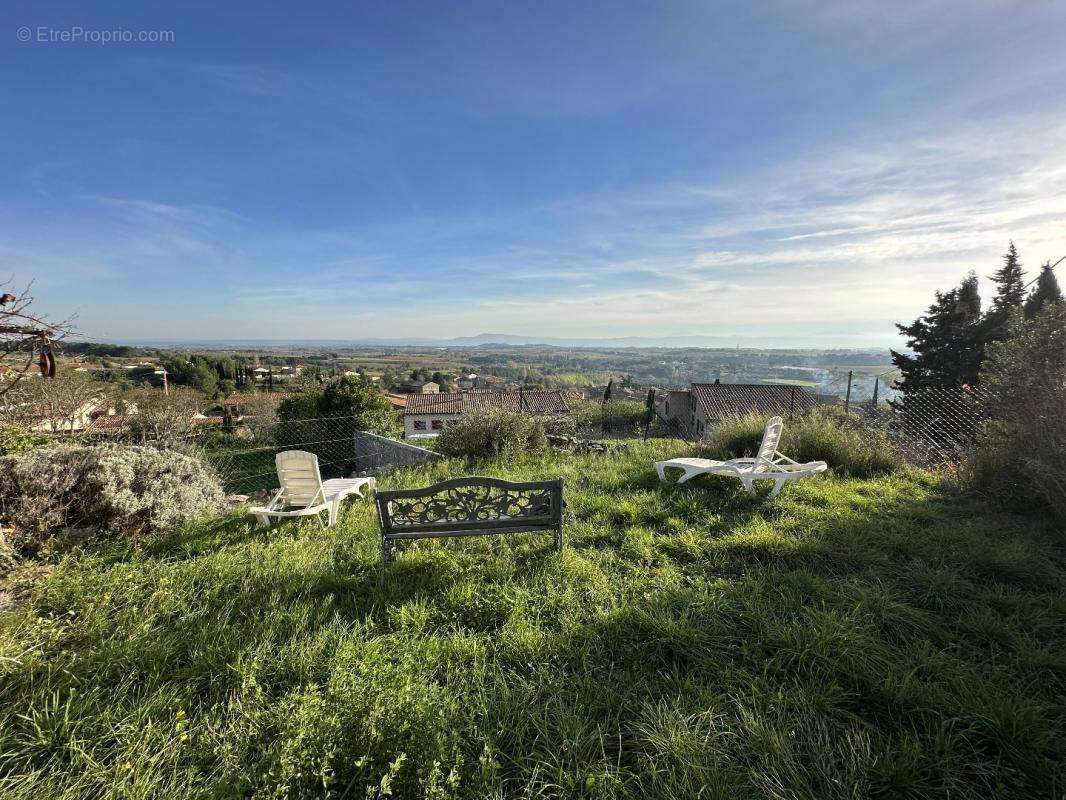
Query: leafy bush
[
  {"x": 359, "y": 398},
  {"x": 1021, "y": 452},
  {"x": 352, "y": 398},
  {"x": 826, "y": 434},
  {"x": 492, "y": 434},
  {"x": 109, "y": 490}
]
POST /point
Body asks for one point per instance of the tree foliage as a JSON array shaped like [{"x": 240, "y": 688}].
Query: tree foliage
[
  {"x": 946, "y": 342},
  {"x": 1022, "y": 450},
  {"x": 353, "y": 397},
  {"x": 949, "y": 342},
  {"x": 1044, "y": 292}
]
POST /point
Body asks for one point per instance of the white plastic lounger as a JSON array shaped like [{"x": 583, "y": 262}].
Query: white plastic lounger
[
  {"x": 303, "y": 493},
  {"x": 768, "y": 464}
]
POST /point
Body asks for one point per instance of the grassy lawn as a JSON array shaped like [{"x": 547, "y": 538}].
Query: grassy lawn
[{"x": 852, "y": 638}]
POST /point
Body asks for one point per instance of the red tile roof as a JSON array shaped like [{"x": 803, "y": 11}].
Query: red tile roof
[
  {"x": 533, "y": 401},
  {"x": 720, "y": 400},
  {"x": 106, "y": 424}
]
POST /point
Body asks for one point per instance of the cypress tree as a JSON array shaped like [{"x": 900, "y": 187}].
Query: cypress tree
[
  {"x": 1010, "y": 296},
  {"x": 1010, "y": 283},
  {"x": 1046, "y": 291}
]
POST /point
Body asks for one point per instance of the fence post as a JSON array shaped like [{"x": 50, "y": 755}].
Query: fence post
[
  {"x": 877, "y": 382},
  {"x": 847, "y": 397}
]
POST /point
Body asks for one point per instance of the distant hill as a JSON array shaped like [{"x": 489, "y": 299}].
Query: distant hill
[{"x": 515, "y": 340}]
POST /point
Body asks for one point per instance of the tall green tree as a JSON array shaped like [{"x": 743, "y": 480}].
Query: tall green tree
[
  {"x": 1009, "y": 297},
  {"x": 1010, "y": 283},
  {"x": 1045, "y": 291},
  {"x": 946, "y": 342}
]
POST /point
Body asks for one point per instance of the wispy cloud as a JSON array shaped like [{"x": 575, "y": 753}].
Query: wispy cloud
[{"x": 848, "y": 239}]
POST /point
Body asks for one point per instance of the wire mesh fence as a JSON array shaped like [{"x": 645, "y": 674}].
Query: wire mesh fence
[
  {"x": 931, "y": 425},
  {"x": 243, "y": 453},
  {"x": 244, "y": 458}
]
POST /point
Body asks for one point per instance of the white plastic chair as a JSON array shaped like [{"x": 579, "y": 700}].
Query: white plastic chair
[
  {"x": 768, "y": 464},
  {"x": 303, "y": 493}
]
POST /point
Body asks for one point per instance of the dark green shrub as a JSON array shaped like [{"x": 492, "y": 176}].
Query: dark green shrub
[
  {"x": 492, "y": 434},
  {"x": 106, "y": 490}
]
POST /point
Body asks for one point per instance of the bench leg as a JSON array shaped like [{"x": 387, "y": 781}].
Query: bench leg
[
  {"x": 559, "y": 539},
  {"x": 386, "y": 558}
]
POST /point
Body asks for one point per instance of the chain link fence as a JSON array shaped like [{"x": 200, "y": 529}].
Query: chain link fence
[
  {"x": 243, "y": 452},
  {"x": 929, "y": 426}
]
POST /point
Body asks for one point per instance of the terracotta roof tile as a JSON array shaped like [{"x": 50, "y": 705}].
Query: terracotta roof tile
[
  {"x": 720, "y": 400},
  {"x": 109, "y": 424},
  {"x": 533, "y": 401}
]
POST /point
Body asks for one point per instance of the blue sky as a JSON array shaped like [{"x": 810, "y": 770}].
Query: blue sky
[{"x": 764, "y": 171}]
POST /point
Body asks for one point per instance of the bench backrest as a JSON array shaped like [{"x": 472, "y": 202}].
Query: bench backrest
[{"x": 471, "y": 505}]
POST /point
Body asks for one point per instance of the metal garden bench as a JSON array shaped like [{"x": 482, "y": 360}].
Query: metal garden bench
[{"x": 468, "y": 507}]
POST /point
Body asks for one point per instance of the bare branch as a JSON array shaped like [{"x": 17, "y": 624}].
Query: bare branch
[{"x": 26, "y": 336}]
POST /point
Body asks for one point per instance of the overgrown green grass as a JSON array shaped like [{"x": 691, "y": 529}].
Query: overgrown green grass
[{"x": 852, "y": 638}]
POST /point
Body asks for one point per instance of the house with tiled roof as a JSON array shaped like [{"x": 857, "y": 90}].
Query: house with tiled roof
[
  {"x": 426, "y": 415},
  {"x": 698, "y": 408},
  {"x": 237, "y": 402},
  {"x": 420, "y": 387}
]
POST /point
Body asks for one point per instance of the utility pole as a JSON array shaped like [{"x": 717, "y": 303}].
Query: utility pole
[{"x": 847, "y": 397}]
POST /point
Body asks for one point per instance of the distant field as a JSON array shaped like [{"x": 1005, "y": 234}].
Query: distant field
[{"x": 793, "y": 382}]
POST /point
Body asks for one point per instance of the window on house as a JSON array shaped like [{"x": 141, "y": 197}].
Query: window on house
[
  {"x": 437, "y": 425},
  {"x": 420, "y": 424}
]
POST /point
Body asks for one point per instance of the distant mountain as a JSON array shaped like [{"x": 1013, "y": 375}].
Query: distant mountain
[
  {"x": 560, "y": 341},
  {"x": 514, "y": 340}
]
